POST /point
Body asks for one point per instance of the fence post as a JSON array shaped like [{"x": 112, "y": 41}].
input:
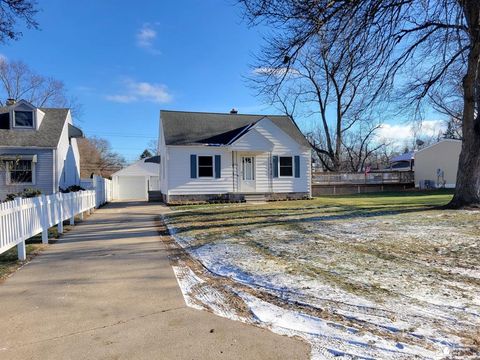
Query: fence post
[
  {"x": 72, "y": 208},
  {"x": 59, "y": 203},
  {"x": 82, "y": 204},
  {"x": 96, "y": 188},
  {"x": 21, "y": 249},
  {"x": 44, "y": 219}
]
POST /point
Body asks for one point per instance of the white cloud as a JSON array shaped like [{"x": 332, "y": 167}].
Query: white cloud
[
  {"x": 121, "y": 98},
  {"x": 399, "y": 133},
  {"x": 142, "y": 91},
  {"x": 146, "y": 37}
]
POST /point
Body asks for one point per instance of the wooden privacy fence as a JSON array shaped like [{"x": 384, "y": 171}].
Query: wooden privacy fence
[
  {"x": 21, "y": 219},
  {"x": 388, "y": 177}
]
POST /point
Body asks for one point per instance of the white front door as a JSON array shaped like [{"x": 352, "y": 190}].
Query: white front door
[{"x": 248, "y": 174}]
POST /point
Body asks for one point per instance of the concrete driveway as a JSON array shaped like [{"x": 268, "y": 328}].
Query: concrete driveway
[{"x": 106, "y": 291}]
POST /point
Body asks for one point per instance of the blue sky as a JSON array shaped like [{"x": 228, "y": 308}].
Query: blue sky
[{"x": 124, "y": 61}]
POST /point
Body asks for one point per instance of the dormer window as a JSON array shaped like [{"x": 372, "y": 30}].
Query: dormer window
[{"x": 23, "y": 119}]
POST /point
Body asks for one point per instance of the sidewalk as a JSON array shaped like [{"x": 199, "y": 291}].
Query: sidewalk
[{"x": 106, "y": 290}]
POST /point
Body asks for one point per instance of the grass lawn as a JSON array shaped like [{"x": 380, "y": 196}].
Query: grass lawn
[{"x": 388, "y": 275}]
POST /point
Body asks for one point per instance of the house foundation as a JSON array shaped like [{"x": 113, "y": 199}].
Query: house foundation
[{"x": 231, "y": 197}]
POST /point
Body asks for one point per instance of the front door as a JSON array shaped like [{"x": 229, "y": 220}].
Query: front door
[{"x": 248, "y": 174}]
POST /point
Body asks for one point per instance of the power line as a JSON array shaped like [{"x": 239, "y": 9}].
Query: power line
[{"x": 143, "y": 136}]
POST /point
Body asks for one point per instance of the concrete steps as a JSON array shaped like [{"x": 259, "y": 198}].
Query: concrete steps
[{"x": 255, "y": 198}]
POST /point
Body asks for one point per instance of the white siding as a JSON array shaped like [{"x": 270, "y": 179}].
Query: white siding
[
  {"x": 68, "y": 159},
  {"x": 284, "y": 145},
  {"x": 443, "y": 155},
  {"x": 43, "y": 172},
  {"x": 262, "y": 142},
  {"x": 178, "y": 164},
  {"x": 163, "y": 169},
  {"x": 252, "y": 140}
]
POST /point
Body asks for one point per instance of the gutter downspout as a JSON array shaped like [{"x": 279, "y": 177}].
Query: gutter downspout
[
  {"x": 270, "y": 171},
  {"x": 55, "y": 171},
  {"x": 233, "y": 172}
]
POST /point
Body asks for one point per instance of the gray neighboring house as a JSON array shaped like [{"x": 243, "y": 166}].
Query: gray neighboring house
[{"x": 38, "y": 149}]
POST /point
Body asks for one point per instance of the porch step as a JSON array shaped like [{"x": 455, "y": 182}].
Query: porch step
[
  {"x": 155, "y": 196},
  {"x": 255, "y": 198}
]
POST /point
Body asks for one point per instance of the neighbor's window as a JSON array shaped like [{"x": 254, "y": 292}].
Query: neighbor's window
[
  {"x": 205, "y": 166},
  {"x": 24, "y": 119},
  {"x": 21, "y": 172},
  {"x": 286, "y": 166}
]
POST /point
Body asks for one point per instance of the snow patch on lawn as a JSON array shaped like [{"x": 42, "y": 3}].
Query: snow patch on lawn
[
  {"x": 200, "y": 296},
  {"x": 415, "y": 315}
]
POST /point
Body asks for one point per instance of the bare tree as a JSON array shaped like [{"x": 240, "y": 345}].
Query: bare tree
[
  {"x": 97, "y": 157},
  {"x": 13, "y": 10},
  {"x": 448, "y": 100},
  {"x": 152, "y": 146},
  {"x": 18, "y": 81},
  {"x": 361, "y": 146},
  {"x": 419, "y": 43},
  {"x": 327, "y": 86}
]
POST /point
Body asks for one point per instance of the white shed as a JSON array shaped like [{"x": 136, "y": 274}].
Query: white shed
[
  {"x": 134, "y": 181},
  {"x": 438, "y": 164}
]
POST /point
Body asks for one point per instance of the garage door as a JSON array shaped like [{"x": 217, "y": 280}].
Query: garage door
[{"x": 131, "y": 188}]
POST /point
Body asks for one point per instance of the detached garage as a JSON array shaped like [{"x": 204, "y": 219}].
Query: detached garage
[{"x": 134, "y": 181}]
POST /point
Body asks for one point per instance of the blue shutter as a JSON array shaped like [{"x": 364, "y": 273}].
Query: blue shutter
[
  {"x": 297, "y": 166},
  {"x": 193, "y": 166},
  {"x": 275, "y": 166},
  {"x": 218, "y": 166}
]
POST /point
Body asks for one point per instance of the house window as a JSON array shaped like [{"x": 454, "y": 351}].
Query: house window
[
  {"x": 286, "y": 166},
  {"x": 205, "y": 166},
  {"x": 24, "y": 119},
  {"x": 20, "y": 172}
]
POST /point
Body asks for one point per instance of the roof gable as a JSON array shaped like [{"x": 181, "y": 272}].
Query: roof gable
[
  {"x": 142, "y": 167},
  {"x": 252, "y": 139},
  {"x": 47, "y": 135},
  {"x": 197, "y": 128},
  {"x": 22, "y": 105},
  {"x": 442, "y": 142}
]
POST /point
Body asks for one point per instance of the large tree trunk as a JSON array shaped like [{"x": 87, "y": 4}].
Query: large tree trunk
[{"x": 467, "y": 192}]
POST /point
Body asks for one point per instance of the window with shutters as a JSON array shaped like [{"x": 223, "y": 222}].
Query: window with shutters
[
  {"x": 285, "y": 164},
  {"x": 205, "y": 166}
]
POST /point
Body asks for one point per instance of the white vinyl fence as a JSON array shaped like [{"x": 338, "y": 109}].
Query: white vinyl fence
[
  {"x": 21, "y": 219},
  {"x": 102, "y": 186}
]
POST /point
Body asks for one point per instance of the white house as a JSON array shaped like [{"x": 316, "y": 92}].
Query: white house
[
  {"x": 133, "y": 182},
  {"x": 231, "y": 156},
  {"x": 38, "y": 149},
  {"x": 436, "y": 165}
]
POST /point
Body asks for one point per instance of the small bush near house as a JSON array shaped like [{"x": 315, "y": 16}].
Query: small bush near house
[
  {"x": 26, "y": 193},
  {"x": 72, "y": 188}
]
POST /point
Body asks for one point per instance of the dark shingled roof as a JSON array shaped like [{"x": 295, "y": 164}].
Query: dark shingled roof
[
  {"x": 48, "y": 135},
  {"x": 196, "y": 128}
]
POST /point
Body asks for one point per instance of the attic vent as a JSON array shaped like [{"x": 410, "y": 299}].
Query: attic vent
[{"x": 234, "y": 111}]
